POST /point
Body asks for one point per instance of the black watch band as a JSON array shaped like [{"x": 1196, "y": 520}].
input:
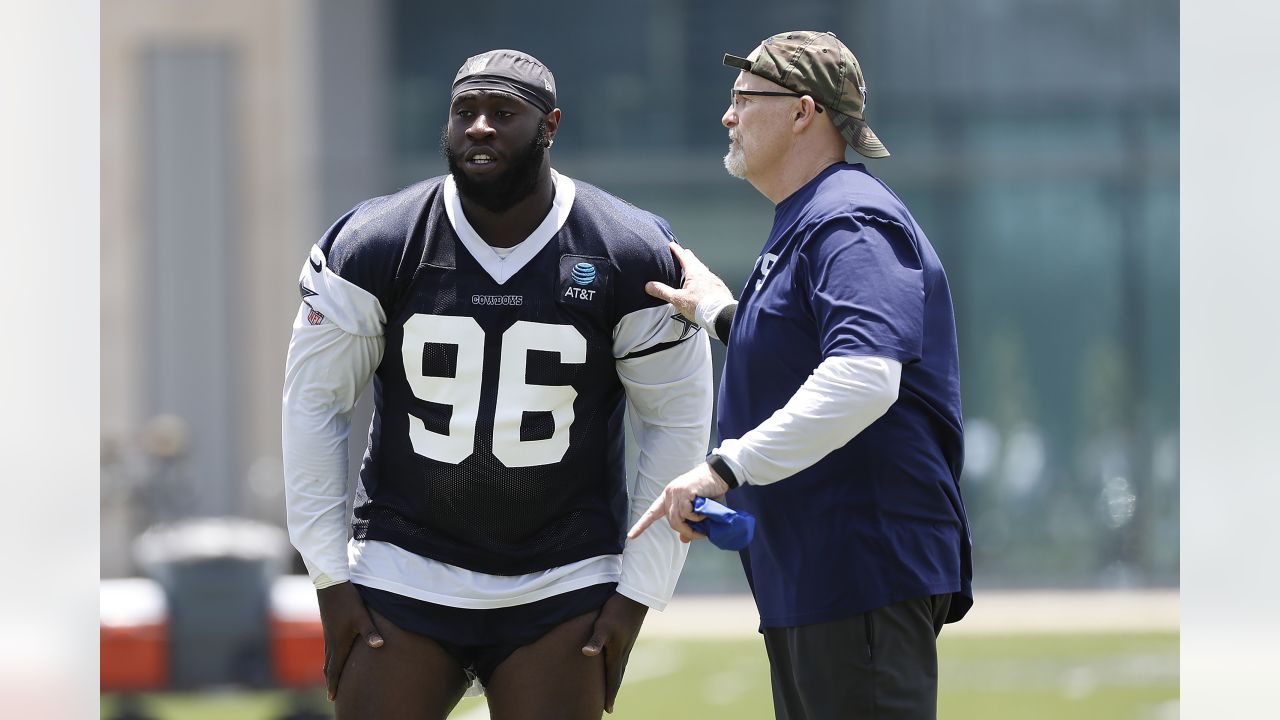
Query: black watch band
[
  {"x": 723, "y": 321},
  {"x": 722, "y": 469}
]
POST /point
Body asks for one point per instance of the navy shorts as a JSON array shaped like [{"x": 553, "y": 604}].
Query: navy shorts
[{"x": 481, "y": 639}]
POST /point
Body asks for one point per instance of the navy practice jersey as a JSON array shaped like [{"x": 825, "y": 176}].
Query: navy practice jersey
[
  {"x": 846, "y": 271},
  {"x": 497, "y": 439}
]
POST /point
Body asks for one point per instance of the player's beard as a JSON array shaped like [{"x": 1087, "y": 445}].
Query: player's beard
[
  {"x": 499, "y": 194},
  {"x": 735, "y": 161}
]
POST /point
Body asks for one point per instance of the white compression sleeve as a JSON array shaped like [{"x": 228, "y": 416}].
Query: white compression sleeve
[
  {"x": 669, "y": 399},
  {"x": 326, "y": 370}
]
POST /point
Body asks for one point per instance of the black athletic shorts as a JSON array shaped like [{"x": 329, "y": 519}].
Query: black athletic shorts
[{"x": 481, "y": 639}]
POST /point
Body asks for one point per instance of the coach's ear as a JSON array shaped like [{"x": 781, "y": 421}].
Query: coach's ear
[{"x": 805, "y": 115}]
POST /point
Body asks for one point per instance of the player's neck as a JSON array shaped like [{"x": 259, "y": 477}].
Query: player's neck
[{"x": 511, "y": 227}]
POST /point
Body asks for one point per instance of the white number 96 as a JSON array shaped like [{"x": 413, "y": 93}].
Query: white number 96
[{"x": 515, "y": 396}]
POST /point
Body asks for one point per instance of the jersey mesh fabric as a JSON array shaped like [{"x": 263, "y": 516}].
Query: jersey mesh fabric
[{"x": 479, "y": 513}]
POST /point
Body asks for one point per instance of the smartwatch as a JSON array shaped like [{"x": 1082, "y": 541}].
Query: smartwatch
[{"x": 721, "y": 468}]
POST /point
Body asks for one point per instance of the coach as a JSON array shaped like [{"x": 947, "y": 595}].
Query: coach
[{"x": 839, "y": 406}]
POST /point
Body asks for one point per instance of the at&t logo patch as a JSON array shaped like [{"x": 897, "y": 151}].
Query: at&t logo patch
[
  {"x": 584, "y": 273},
  {"x": 583, "y": 280}
]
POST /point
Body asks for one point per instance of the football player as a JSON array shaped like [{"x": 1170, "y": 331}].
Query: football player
[{"x": 501, "y": 313}]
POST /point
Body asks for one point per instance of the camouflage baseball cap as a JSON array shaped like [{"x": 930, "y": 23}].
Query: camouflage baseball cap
[{"x": 819, "y": 65}]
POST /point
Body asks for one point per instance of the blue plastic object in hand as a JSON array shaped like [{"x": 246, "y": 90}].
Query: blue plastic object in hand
[{"x": 726, "y": 529}]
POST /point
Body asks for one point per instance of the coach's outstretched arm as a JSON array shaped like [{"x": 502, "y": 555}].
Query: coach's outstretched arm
[{"x": 843, "y": 396}]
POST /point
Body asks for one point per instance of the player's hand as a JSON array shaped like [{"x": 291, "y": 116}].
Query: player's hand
[
  {"x": 700, "y": 284},
  {"x": 676, "y": 502},
  {"x": 614, "y": 633},
  {"x": 345, "y": 619}
]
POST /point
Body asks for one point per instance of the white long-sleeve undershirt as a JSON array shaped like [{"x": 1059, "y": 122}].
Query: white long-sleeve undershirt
[
  {"x": 326, "y": 370},
  {"x": 843, "y": 396}
]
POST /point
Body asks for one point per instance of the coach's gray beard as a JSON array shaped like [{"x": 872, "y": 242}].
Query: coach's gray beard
[{"x": 735, "y": 161}]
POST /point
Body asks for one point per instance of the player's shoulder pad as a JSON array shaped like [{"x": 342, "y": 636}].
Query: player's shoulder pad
[
  {"x": 369, "y": 246},
  {"x": 353, "y": 272},
  {"x": 636, "y": 241}
]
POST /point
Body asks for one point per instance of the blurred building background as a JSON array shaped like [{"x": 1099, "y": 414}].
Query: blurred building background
[{"x": 1036, "y": 143}]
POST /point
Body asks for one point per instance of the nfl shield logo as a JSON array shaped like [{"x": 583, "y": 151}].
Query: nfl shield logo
[{"x": 314, "y": 317}]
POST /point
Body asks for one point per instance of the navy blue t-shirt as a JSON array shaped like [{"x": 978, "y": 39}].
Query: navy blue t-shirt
[{"x": 846, "y": 271}]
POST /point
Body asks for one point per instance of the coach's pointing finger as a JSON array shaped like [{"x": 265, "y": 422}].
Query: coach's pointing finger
[
  {"x": 656, "y": 510},
  {"x": 676, "y": 502}
]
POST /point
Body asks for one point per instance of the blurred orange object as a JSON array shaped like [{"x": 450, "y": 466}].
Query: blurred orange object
[
  {"x": 134, "y": 635},
  {"x": 297, "y": 638}
]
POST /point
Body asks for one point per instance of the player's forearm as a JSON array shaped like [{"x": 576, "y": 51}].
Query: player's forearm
[
  {"x": 651, "y": 566},
  {"x": 315, "y": 471},
  {"x": 669, "y": 404},
  {"x": 840, "y": 399},
  {"x": 317, "y": 523},
  {"x": 325, "y": 371},
  {"x": 652, "y": 563}
]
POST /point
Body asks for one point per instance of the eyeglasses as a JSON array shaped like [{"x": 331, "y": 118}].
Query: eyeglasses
[{"x": 735, "y": 94}]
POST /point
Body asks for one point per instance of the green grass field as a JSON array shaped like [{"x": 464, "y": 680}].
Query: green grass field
[{"x": 992, "y": 677}]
